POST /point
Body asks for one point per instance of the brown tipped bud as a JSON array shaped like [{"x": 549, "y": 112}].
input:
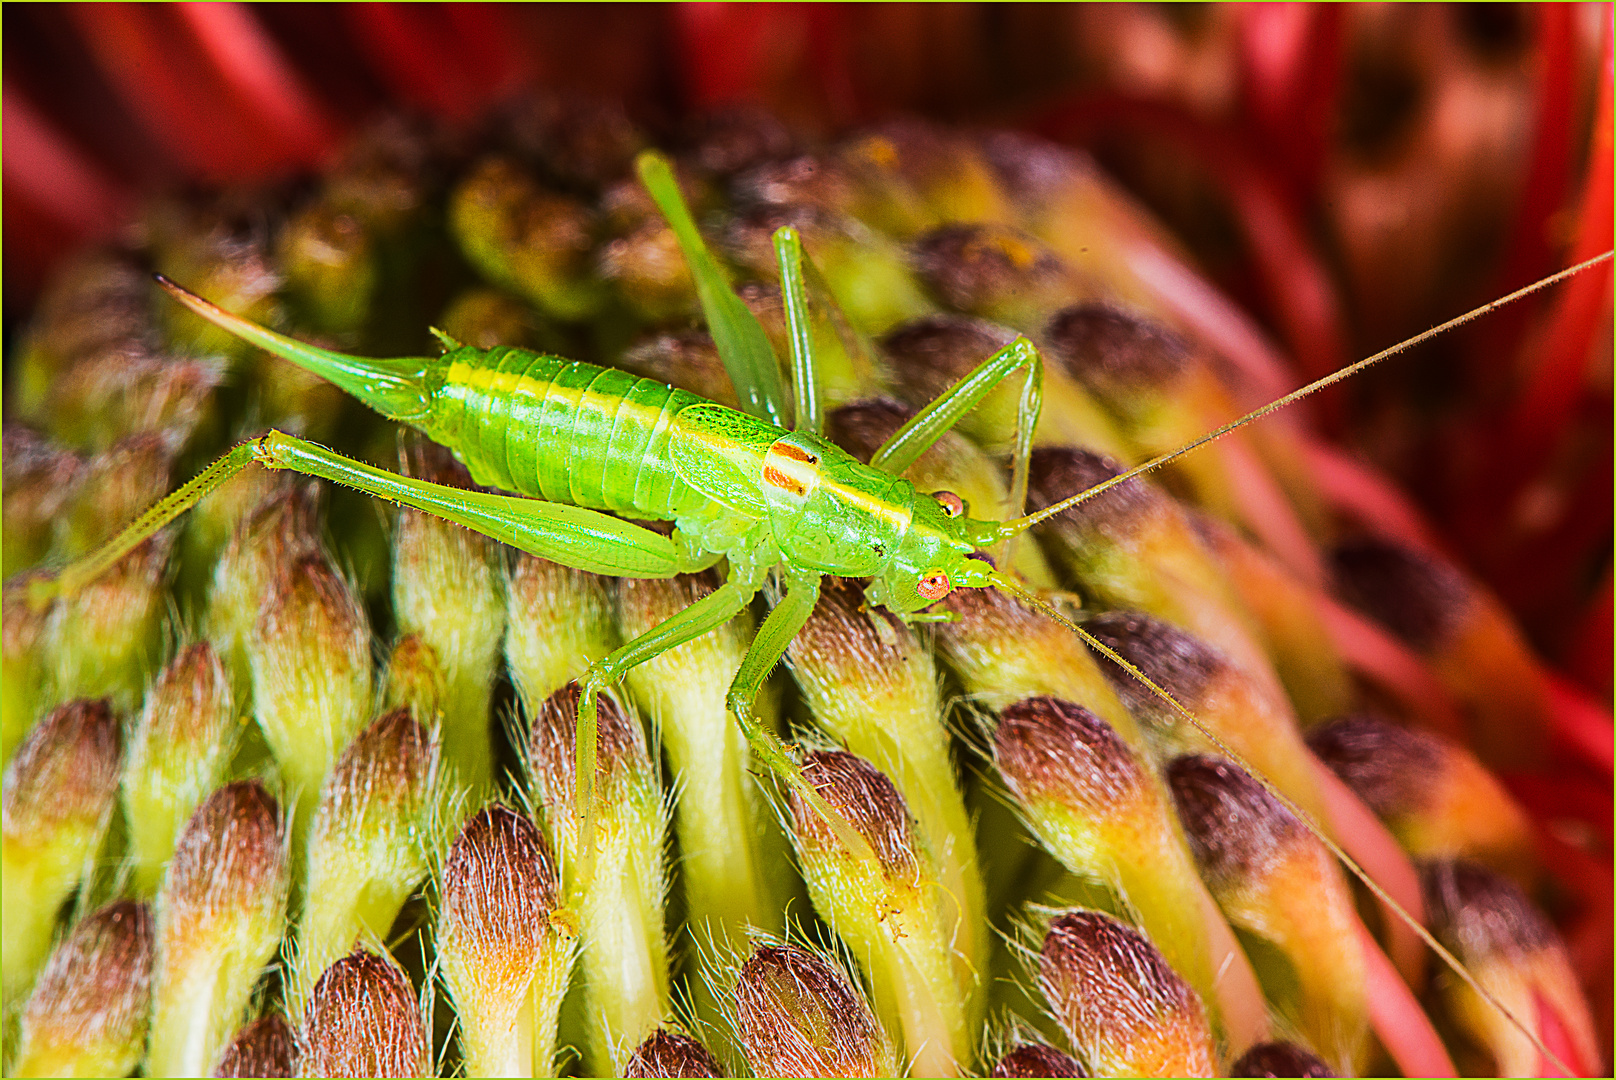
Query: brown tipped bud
[
  {"x": 1031, "y": 169},
  {"x": 867, "y": 800},
  {"x": 1279, "y": 1059},
  {"x": 1438, "y": 800},
  {"x": 500, "y": 886},
  {"x": 620, "y": 748},
  {"x": 330, "y": 263},
  {"x": 96, "y": 301},
  {"x": 40, "y": 478},
  {"x": 363, "y": 1020},
  {"x": 558, "y": 621},
  {"x": 1049, "y": 749},
  {"x": 129, "y": 391},
  {"x": 650, "y": 272},
  {"x": 87, "y": 1015},
  {"x": 930, "y": 354},
  {"x": 1421, "y": 599},
  {"x": 991, "y": 270},
  {"x": 265, "y": 1047},
  {"x": 583, "y": 141},
  {"x": 796, "y": 1015},
  {"x": 1236, "y": 829},
  {"x": 849, "y": 657},
  {"x": 814, "y": 180},
  {"x": 1116, "y": 353},
  {"x": 220, "y": 915},
  {"x": 1116, "y": 997},
  {"x": 65, "y": 772},
  {"x": 1386, "y": 765},
  {"x": 1179, "y": 663},
  {"x": 1037, "y": 1060},
  {"x": 1513, "y": 951},
  {"x": 671, "y": 1053},
  {"x": 310, "y": 657},
  {"x": 367, "y": 849},
  {"x": 59, "y": 793},
  {"x": 180, "y": 748},
  {"x": 117, "y": 484},
  {"x": 230, "y": 858},
  {"x": 1058, "y": 472}
]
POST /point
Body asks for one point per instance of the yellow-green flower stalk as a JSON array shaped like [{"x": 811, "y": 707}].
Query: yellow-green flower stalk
[
  {"x": 1514, "y": 952},
  {"x": 363, "y": 1019},
  {"x": 448, "y": 591},
  {"x": 870, "y": 683},
  {"x": 890, "y": 910},
  {"x": 1122, "y": 1006},
  {"x": 309, "y": 652},
  {"x": 505, "y": 944},
  {"x": 88, "y": 1012},
  {"x": 179, "y": 749},
  {"x": 559, "y": 622},
  {"x": 23, "y": 673},
  {"x": 369, "y": 844},
  {"x": 797, "y": 1014},
  {"x": 60, "y": 790},
  {"x": 620, "y": 906},
  {"x": 221, "y": 914},
  {"x": 1279, "y": 885},
  {"x": 1100, "y": 810}
]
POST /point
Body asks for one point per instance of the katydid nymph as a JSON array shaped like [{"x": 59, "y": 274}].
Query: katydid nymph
[{"x": 587, "y": 448}]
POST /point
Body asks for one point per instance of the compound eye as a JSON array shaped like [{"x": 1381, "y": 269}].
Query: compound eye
[
  {"x": 952, "y": 504},
  {"x": 934, "y": 586}
]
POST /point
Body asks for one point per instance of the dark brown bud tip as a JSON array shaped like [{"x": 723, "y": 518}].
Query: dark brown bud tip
[
  {"x": 1388, "y": 766},
  {"x": 797, "y": 1016},
  {"x": 265, "y": 1047},
  {"x": 862, "y": 427},
  {"x": 844, "y": 641},
  {"x": 385, "y": 767},
  {"x": 867, "y": 800},
  {"x": 95, "y": 993},
  {"x": 1279, "y": 1059},
  {"x": 363, "y": 1020},
  {"x": 1037, "y": 1060},
  {"x": 65, "y": 771},
  {"x": 1115, "y": 353},
  {"x": 1418, "y": 597},
  {"x": 620, "y": 745},
  {"x": 1116, "y": 996},
  {"x": 1055, "y": 473},
  {"x": 500, "y": 885},
  {"x": 1235, "y": 828},
  {"x": 229, "y": 853},
  {"x": 737, "y": 137},
  {"x": 931, "y": 353},
  {"x": 671, "y": 1053},
  {"x": 974, "y": 267},
  {"x": 1180, "y": 664},
  {"x": 1051, "y": 749},
  {"x": 1482, "y": 913}
]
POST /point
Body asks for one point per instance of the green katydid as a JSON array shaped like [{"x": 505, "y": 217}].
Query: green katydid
[{"x": 584, "y": 443}]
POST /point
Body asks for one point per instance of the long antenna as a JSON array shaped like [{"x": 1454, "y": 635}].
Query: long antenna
[
  {"x": 1021, "y": 524},
  {"x": 1033, "y": 600}
]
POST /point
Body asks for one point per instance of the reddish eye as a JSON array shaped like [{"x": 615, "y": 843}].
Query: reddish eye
[
  {"x": 952, "y": 504},
  {"x": 934, "y": 586}
]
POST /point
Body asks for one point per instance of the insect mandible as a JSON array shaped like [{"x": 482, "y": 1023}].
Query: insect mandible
[{"x": 583, "y": 444}]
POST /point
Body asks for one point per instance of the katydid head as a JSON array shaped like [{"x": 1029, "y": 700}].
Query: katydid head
[{"x": 936, "y": 557}]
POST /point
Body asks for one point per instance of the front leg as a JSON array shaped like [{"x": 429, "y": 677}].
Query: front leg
[{"x": 789, "y": 616}]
